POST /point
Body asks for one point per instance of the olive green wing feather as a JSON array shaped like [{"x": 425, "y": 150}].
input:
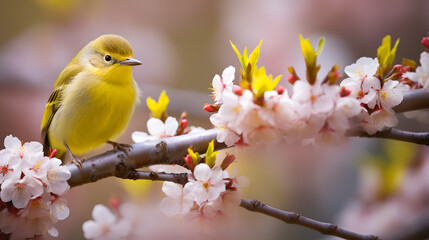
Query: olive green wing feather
[{"x": 54, "y": 102}]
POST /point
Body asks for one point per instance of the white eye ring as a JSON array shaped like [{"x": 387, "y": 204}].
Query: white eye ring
[{"x": 107, "y": 58}]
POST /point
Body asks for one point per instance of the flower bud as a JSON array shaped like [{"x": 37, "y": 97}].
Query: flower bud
[
  {"x": 230, "y": 158},
  {"x": 189, "y": 162},
  {"x": 237, "y": 90},
  {"x": 211, "y": 108}
]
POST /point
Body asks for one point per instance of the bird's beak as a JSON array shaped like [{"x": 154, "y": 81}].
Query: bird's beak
[{"x": 130, "y": 62}]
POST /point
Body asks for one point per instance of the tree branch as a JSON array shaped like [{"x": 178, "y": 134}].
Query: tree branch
[
  {"x": 180, "y": 178},
  {"x": 257, "y": 206},
  {"x": 421, "y": 138},
  {"x": 413, "y": 100},
  {"x": 294, "y": 218},
  {"x": 119, "y": 163}
]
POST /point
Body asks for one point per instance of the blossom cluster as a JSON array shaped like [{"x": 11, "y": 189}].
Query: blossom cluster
[
  {"x": 210, "y": 193},
  {"x": 317, "y": 110},
  {"x": 377, "y": 97},
  {"x": 160, "y": 125},
  {"x": 417, "y": 78},
  {"x": 32, "y": 186}
]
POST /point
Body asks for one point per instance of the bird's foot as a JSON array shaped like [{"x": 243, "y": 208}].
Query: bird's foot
[
  {"x": 75, "y": 160},
  {"x": 121, "y": 146}
]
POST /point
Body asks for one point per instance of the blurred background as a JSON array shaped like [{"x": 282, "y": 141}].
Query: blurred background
[{"x": 182, "y": 45}]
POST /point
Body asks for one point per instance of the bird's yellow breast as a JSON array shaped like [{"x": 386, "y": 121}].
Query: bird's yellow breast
[{"x": 93, "y": 110}]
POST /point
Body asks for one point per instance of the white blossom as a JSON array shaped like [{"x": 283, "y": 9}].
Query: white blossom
[
  {"x": 207, "y": 184},
  {"x": 379, "y": 120},
  {"x": 179, "y": 200},
  {"x": 220, "y": 84},
  {"x": 105, "y": 226},
  {"x": 26, "y": 151},
  {"x": 421, "y": 75},
  {"x": 157, "y": 129},
  {"x": 225, "y": 134},
  {"x": 56, "y": 177},
  {"x": 389, "y": 96},
  {"x": 363, "y": 68},
  {"x": 33, "y": 184},
  {"x": 9, "y": 164},
  {"x": 59, "y": 208},
  {"x": 20, "y": 191},
  {"x": 312, "y": 97}
]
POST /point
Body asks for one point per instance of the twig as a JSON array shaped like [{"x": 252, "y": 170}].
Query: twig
[
  {"x": 421, "y": 138},
  {"x": 294, "y": 218},
  {"x": 180, "y": 178},
  {"x": 257, "y": 206}
]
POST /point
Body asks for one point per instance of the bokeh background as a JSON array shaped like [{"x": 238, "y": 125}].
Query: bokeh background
[{"x": 182, "y": 45}]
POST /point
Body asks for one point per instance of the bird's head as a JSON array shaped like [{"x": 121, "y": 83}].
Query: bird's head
[{"x": 111, "y": 57}]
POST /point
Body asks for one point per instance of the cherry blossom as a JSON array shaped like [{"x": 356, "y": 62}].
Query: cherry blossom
[
  {"x": 34, "y": 185},
  {"x": 389, "y": 95},
  {"x": 26, "y": 151},
  {"x": 421, "y": 75},
  {"x": 105, "y": 226},
  {"x": 56, "y": 177},
  {"x": 221, "y": 83},
  {"x": 157, "y": 129},
  {"x": 364, "y": 68},
  {"x": 20, "y": 191},
  {"x": 312, "y": 97},
  {"x": 225, "y": 134},
  {"x": 207, "y": 184},
  {"x": 179, "y": 200},
  {"x": 8, "y": 165}
]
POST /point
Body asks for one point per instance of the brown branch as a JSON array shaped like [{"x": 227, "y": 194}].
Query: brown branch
[
  {"x": 294, "y": 218},
  {"x": 180, "y": 178},
  {"x": 119, "y": 163},
  {"x": 421, "y": 138},
  {"x": 413, "y": 100},
  {"x": 257, "y": 206}
]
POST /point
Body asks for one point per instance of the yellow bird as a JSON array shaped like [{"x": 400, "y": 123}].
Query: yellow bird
[{"x": 93, "y": 98}]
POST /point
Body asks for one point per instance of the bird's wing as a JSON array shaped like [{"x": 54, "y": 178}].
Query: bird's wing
[{"x": 53, "y": 104}]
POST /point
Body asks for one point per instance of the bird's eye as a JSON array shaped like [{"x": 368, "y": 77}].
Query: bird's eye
[{"x": 107, "y": 58}]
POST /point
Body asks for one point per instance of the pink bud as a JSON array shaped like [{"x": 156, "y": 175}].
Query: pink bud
[
  {"x": 184, "y": 123},
  {"x": 280, "y": 90},
  {"x": 237, "y": 90},
  {"x": 114, "y": 203},
  {"x": 397, "y": 67},
  {"x": 425, "y": 42},
  {"x": 189, "y": 162},
  {"x": 230, "y": 158},
  {"x": 211, "y": 108},
  {"x": 208, "y": 107},
  {"x": 291, "y": 79}
]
